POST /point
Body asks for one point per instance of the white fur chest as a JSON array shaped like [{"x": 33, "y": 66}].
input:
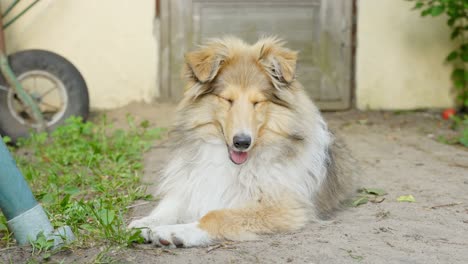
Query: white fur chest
[
  {"x": 205, "y": 182},
  {"x": 210, "y": 181}
]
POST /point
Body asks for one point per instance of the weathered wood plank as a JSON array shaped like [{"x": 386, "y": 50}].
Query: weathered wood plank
[{"x": 319, "y": 29}]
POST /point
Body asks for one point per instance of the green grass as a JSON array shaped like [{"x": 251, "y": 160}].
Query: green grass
[
  {"x": 460, "y": 125},
  {"x": 85, "y": 175}
]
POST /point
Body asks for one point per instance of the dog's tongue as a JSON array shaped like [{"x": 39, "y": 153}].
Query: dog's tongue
[{"x": 238, "y": 157}]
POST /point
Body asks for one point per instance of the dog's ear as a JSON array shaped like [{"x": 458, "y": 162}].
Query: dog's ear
[
  {"x": 203, "y": 65},
  {"x": 279, "y": 62}
]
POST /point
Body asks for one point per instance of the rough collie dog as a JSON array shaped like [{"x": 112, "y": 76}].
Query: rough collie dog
[{"x": 251, "y": 153}]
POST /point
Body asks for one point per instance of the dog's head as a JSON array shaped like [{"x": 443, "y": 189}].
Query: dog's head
[{"x": 242, "y": 82}]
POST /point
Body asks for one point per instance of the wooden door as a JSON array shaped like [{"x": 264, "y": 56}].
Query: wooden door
[{"x": 319, "y": 29}]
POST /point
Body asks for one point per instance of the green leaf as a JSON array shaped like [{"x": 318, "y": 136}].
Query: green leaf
[
  {"x": 460, "y": 84},
  {"x": 145, "y": 124},
  {"x": 464, "y": 141},
  {"x": 3, "y": 227},
  {"x": 459, "y": 78},
  {"x": 106, "y": 216},
  {"x": 360, "y": 200},
  {"x": 65, "y": 201},
  {"x": 455, "y": 33},
  {"x": 464, "y": 56},
  {"x": 46, "y": 256},
  {"x": 418, "y": 5},
  {"x": 458, "y": 74},
  {"x": 71, "y": 190},
  {"x": 87, "y": 227},
  {"x": 437, "y": 10},
  {"x": 48, "y": 198},
  {"x": 451, "y": 21},
  {"x": 453, "y": 55},
  {"x": 464, "y": 138},
  {"x": 6, "y": 139},
  {"x": 406, "y": 198},
  {"x": 375, "y": 191},
  {"x": 426, "y": 12},
  {"x": 135, "y": 237}
]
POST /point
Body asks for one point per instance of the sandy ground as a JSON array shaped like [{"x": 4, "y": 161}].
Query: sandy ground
[{"x": 396, "y": 152}]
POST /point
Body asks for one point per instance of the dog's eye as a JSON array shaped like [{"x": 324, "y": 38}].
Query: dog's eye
[
  {"x": 227, "y": 100},
  {"x": 257, "y": 103}
]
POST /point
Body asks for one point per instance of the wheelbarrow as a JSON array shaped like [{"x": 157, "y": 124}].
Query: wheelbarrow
[{"x": 39, "y": 89}]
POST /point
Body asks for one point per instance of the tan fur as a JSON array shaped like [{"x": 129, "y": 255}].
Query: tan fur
[
  {"x": 246, "y": 79},
  {"x": 266, "y": 217},
  {"x": 272, "y": 52}
]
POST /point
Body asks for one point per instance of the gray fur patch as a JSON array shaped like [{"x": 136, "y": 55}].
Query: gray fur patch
[{"x": 338, "y": 185}]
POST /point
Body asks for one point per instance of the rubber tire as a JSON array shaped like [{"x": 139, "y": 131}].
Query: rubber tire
[{"x": 62, "y": 69}]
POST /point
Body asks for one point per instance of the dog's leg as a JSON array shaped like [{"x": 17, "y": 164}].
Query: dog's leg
[
  {"x": 166, "y": 213},
  {"x": 233, "y": 224}
]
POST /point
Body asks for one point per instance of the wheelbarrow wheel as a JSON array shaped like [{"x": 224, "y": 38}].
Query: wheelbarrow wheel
[{"x": 53, "y": 82}]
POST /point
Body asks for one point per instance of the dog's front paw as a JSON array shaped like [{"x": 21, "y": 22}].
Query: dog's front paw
[
  {"x": 145, "y": 224},
  {"x": 182, "y": 235}
]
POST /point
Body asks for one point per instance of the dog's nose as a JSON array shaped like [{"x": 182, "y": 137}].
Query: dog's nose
[{"x": 242, "y": 141}]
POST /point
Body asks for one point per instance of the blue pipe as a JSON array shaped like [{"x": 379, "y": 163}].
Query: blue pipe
[
  {"x": 15, "y": 195},
  {"x": 26, "y": 218}
]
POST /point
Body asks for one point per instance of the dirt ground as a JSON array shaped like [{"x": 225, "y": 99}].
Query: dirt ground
[{"x": 395, "y": 152}]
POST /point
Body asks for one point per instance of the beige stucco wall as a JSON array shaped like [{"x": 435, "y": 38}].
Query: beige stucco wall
[
  {"x": 111, "y": 42},
  {"x": 399, "y": 60}
]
